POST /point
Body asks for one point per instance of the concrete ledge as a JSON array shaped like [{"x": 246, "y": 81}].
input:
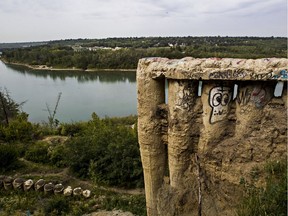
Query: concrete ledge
[{"x": 217, "y": 68}]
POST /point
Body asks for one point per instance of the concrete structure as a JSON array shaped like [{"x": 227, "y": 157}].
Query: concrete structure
[{"x": 222, "y": 118}]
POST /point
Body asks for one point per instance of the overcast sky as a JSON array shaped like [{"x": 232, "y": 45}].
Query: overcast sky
[{"x": 42, "y": 20}]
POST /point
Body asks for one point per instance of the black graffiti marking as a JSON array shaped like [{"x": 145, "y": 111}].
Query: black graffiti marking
[
  {"x": 219, "y": 98},
  {"x": 219, "y": 112},
  {"x": 276, "y": 105},
  {"x": 225, "y": 99},
  {"x": 244, "y": 97},
  {"x": 216, "y": 100},
  {"x": 229, "y": 74},
  {"x": 262, "y": 76}
]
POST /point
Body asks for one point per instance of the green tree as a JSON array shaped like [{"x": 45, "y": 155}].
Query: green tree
[{"x": 8, "y": 107}]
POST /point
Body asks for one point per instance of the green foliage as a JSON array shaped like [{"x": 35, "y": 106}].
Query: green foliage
[
  {"x": 128, "y": 120},
  {"x": 71, "y": 129},
  {"x": 18, "y": 129},
  {"x": 11, "y": 201},
  {"x": 132, "y": 203},
  {"x": 8, "y": 157},
  {"x": 56, "y": 155},
  {"x": 271, "y": 200},
  {"x": 59, "y": 205},
  {"x": 38, "y": 152},
  {"x": 60, "y": 54},
  {"x": 8, "y": 107},
  {"x": 36, "y": 203},
  {"x": 109, "y": 153}
]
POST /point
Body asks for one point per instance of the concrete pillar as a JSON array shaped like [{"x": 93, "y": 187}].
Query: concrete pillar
[
  {"x": 151, "y": 93},
  {"x": 251, "y": 100},
  {"x": 181, "y": 101},
  {"x": 217, "y": 101}
]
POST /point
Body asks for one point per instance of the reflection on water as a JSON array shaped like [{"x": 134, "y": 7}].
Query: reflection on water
[
  {"x": 81, "y": 76},
  {"x": 107, "y": 93}
]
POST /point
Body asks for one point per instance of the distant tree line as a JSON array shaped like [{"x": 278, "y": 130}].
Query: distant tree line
[{"x": 60, "y": 54}]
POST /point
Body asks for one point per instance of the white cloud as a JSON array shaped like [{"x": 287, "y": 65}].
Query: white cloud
[{"x": 55, "y": 19}]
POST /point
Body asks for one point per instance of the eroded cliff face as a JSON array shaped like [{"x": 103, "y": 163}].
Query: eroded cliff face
[{"x": 221, "y": 121}]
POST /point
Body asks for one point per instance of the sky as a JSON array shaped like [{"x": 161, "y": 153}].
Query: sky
[{"x": 44, "y": 20}]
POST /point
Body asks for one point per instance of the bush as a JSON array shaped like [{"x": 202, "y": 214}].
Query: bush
[
  {"x": 70, "y": 129},
  {"x": 19, "y": 129},
  {"x": 38, "y": 152},
  {"x": 57, "y": 155},
  {"x": 132, "y": 203},
  {"x": 8, "y": 157},
  {"x": 271, "y": 200},
  {"x": 57, "y": 206},
  {"x": 109, "y": 153}
]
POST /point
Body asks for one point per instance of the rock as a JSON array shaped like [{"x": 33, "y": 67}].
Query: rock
[
  {"x": 86, "y": 193},
  {"x": 39, "y": 185},
  {"x": 77, "y": 191},
  {"x": 7, "y": 182},
  {"x": 49, "y": 188},
  {"x": 68, "y": 191},
  {"x": 18, "y": 183},
  {"x": 28, "y": 185},
  {"x": 58, "y": 189}
]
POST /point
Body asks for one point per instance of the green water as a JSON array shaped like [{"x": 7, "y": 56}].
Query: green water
[{"x": 105, "y": 93}]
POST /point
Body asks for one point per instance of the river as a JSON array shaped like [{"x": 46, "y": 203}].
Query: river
[{"x": 107, "y": 93}]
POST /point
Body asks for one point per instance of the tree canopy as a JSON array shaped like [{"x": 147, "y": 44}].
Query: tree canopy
[{"x": 124, "y": 53}]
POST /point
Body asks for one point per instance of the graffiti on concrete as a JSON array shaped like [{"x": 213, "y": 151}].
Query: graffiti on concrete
[
  {"x": 243, "y": 97},
  {"x": 260, "y": 96},
  {"x": 229, "y": 74},
  {"x": 282, "y": 74},
  {"x": 263, "y": 76},
  {"x": 219, "y": 99}
]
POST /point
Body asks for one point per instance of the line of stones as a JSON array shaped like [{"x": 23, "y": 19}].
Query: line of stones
[{"x": 49, "y": 188}]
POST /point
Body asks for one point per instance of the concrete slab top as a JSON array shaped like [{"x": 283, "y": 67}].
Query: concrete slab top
[{"x": 215, "y": 68}]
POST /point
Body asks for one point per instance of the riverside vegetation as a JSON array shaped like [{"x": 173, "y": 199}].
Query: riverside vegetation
[
  {"x": 97, "y": 155},
  {"x": 124, "y": 53}
]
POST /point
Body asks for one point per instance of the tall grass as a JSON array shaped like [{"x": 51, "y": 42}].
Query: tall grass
[{"x": 270, "y": 200}]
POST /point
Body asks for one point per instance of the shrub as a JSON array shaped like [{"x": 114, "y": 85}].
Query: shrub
[
  {"x": 57, "y": 155},
  {"x": 132, "y": 203},
  {"x": 38, "y": 152},
  {"x": 8, "y": 157},
  {"x": 19, "y": 129},
  {"x": 109, "y": 153},
  {"x": 70, "y": 129},
  {"x": 271, "y": 200},
  {"x": 57, "y": 206}
]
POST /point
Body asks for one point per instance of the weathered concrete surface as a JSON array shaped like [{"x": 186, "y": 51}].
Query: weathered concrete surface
[
  {"x": 182, "y": 135},
  {"x": 231, "y": 131},
  {"x": 152, "y": 149},
  {"x": 217, "y": 68}
]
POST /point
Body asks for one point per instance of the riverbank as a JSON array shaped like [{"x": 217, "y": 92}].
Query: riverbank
[{"x": 46, "y": 68}]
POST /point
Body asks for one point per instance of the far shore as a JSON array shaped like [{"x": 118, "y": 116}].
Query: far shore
[{"x": 46, "y": 68}]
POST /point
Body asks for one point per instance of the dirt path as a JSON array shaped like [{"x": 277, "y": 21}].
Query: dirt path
[{"x": 63, "y": 176}]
